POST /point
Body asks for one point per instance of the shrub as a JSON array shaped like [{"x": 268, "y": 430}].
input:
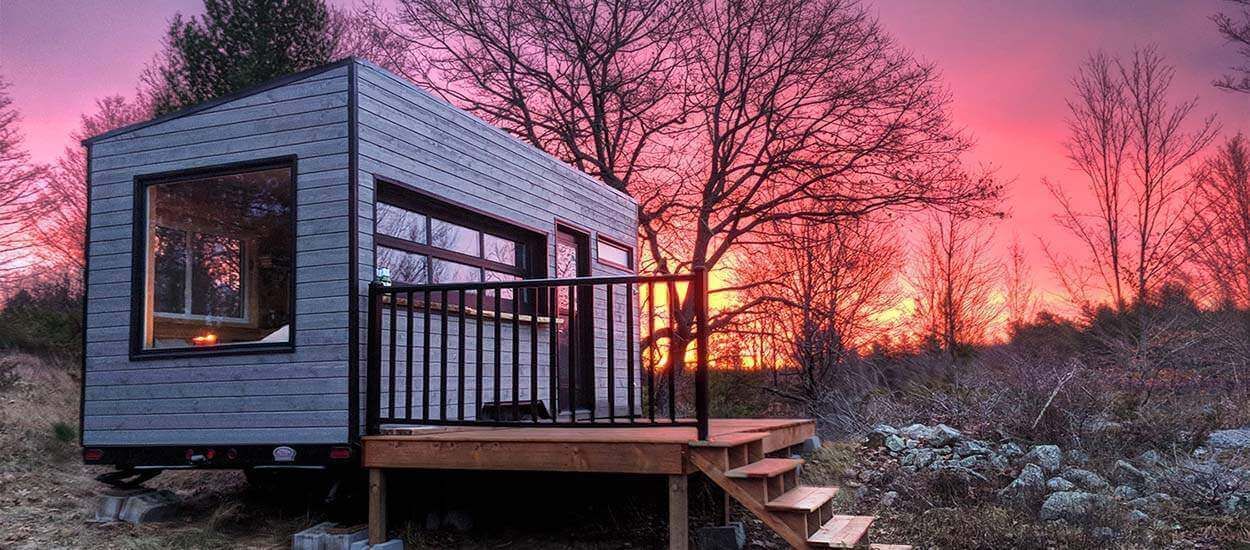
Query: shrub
[
  {"x": 8, "y": 374},
  {"x": 64, "y": 432},
  {"x": 44, "y": 318}
]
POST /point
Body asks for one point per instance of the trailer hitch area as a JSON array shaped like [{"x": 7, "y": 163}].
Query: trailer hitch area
[{"x": 127, "y": 478}]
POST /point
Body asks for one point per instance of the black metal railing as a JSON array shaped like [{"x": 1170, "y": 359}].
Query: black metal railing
[{"x": 513, "y": 353}]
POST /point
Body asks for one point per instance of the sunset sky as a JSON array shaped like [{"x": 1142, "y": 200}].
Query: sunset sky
[{"x": 1008, "y": 65}]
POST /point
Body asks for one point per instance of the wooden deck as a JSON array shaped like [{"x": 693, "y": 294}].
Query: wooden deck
[{"x": 643, "y": 450}]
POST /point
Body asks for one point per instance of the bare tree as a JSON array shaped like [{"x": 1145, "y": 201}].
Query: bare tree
[
  {"x": 1222, "y": 230},
  {"x": 1133, "y": 145},
  {"x": 1021, "y": 297},
  {"x": 954, "y": 278},
  {"x": 827, "y": 285},
  {"x": 63, "y": 197},
  {"x": 1236, "y": 31},
  {"x": 596, "y": 84},
  {"x": 354, "y": 33},
  {"x": 720, "y": 117},
  {"x": 19, "y": 184},
  {"x": 1097, "y": 145}
]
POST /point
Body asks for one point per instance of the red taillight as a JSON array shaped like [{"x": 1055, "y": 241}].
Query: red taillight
[
  {"x": 209, "y": 454},
  {"x": 340, "y": 453},
  {"x": 92, "y": 454}
]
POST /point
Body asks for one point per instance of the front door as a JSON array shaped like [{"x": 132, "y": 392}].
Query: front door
[{"x": 574, "y": 359}]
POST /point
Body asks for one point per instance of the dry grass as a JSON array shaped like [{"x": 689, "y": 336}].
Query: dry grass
[{"x": 47, "y": 495}]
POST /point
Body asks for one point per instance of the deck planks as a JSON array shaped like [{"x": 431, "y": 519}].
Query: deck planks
[{"x": 640, "y": 450}]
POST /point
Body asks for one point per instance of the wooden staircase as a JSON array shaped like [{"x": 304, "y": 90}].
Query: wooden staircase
[{"x": 769, "y": 489}]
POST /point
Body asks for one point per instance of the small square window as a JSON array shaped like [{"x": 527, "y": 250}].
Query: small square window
[{"x": 615, "y": 254}]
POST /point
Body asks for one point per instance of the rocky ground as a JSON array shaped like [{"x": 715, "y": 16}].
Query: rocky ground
[{"x": 1061, "y": 497}]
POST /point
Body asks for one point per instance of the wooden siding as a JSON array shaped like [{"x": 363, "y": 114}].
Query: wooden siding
[
  {"x": 298, "y": 397},
  {"x": 403, "y": 134},
  {"x": 408, "y": 136}
]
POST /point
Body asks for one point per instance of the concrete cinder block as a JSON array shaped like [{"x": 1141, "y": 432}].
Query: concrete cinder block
[
  {"x": 393, "y": 544},
  {"x": 809, "y": 445},
  {"x": 328, "y": 536},
  {"x": 310, "y": 538},
  {"x": 342, "y": 538},
  {"x": 109, "y": 505},
  {"x": 721, "y": 537},
  {"x": 148, "y": 507}
]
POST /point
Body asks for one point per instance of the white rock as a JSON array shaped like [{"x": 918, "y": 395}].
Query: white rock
[
  {"x": 1056, "y": 484},
  {"x": 1049, "y": 457},
  {"x": 1238, "y": 439}
]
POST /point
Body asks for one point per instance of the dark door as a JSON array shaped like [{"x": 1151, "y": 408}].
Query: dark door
[{"x": 574, "y": 336}]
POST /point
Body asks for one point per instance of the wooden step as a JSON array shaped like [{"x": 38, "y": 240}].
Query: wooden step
[
  {"x": 768, "y": 467},
  {"x": 889, "y": 547},
  {"x": 730, "y": 439},
  {"x": 841, "y": 532},
  {"x": 803, "y": 499}
]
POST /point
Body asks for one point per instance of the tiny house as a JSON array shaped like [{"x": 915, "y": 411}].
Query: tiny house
[
  {"x": 232, "y": 245},
  {"x": 337, "y": 269}
]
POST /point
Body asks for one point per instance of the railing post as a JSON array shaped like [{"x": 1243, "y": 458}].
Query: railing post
[
  {"x": 373, "y": 361},
  {"x": 698, "y": 291}
]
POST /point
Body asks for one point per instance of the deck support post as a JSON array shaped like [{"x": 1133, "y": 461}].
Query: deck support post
[
  {"x": 678, "y": 512},
  {"x": 724, "y": 506},
  {"x": 377, "y": 506}
]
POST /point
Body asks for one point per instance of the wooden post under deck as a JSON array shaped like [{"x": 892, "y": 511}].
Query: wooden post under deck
[
  {"x": 377, "y": 506},
  {"x": 724, "y": 505},
  {"x": 678, "y": 510}
]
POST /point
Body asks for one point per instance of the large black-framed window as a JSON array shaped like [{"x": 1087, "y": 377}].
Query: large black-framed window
[
  {"x": 214, "y": 268},
  {"x": 419, "y": 239}
]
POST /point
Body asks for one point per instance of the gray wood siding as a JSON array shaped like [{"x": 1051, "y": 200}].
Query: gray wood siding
[
  {"x": 411, "y": 137},
  {"x": 403, "y": 134},
  {"x": 298, "y": 397}
]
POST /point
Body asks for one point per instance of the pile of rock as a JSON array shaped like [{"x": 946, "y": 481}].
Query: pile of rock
[
  {"x": 941, "y": 447},
  {"x": 1061, "y": 485}
]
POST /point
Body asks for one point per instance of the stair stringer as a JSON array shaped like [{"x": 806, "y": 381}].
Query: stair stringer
[{"x": 744, "y": 497}]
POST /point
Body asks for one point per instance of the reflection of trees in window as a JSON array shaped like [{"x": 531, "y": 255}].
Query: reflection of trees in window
[
  {"x": 405, "y": 267},
  {"x": 499, "y": 250},
  {"x": 170, "y": 284},
  {"x": 214, "y": 267},
  {"x": 400, "y": 223},
  {"x": 217, "y": 276},
  {"x": 456, "y": 238},
  {"x": 418, "y": 245}
]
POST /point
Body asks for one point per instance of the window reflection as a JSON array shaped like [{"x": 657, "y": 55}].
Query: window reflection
[
  {"x": 405, "y": 267},
  {"x": 219, "y": 258},
  {"x": 400, "y": 223},
  {"x": 456, "y": 238},
  {"x": 614, "y": 254},
  {"x": 446, "y": 271}
]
